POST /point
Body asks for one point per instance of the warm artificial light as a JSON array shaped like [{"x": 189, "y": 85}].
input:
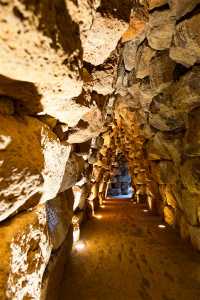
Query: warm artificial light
[
  {"x": 98, "y": 217},
  {"x": 79, "y": 246},
  {"x": 76, "y": 229},
  {"x": 76, "y": 234},
  {"x": 161, "y": 226}
]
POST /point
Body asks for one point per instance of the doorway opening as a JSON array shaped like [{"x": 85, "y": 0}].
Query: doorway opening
[{"x": 119, "y": 185}]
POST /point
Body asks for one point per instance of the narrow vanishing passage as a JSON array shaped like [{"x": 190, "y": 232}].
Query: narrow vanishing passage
[{"x": 128, "y": 255}]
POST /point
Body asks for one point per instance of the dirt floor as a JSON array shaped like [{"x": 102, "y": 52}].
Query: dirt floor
[{"x": 128, "y": 256}]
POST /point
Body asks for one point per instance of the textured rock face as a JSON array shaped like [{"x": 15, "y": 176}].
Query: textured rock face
[
  {"x": 156, "y": 3},
  {"x": 181, "y": 8},
  {"x": 186, "y": 41},
  {"x": 102, "y": 39},
  {"x": 161, "y": 71},
  {"x": 25, "y": 253},
  {"x": 81, "y": 82},
  {"x": 157, "y": 113},
  {"x": 93, "y": 126},
  {"x": 160, "y": 29},
  {"x": 32, "y": 159},
  {"x": 58, "y": 62},
  {"x": 73, "y": 170},
  {"x": 28, "y": 47},
  {"x": 59, "y": 213},
  {"x": 143, "y": 59}
]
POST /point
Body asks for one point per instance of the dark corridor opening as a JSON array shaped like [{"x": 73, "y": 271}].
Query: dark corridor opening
[{"x": 119, "y": 185}]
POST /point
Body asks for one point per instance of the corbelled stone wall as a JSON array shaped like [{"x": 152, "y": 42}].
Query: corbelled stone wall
[
  {"x": 80, "y": 82},
  {"x": 57, "y": 64},
  {"x": 157, "y": 109}
]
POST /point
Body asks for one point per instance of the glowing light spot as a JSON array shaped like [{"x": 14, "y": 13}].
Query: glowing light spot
[
  {"x": 161, "y": 226},
  {"x": 103, "y": 206},
  {"x": 98, "y": 217},
  {"x": 145, "y": 210},
  {"x": 79, "y": 246},
  {"x": 76, "y": 229},
  {"x": 76, "y": 235}
]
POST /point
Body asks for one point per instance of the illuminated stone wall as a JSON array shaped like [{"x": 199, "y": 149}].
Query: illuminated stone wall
[{"x": 79, "y": 82}]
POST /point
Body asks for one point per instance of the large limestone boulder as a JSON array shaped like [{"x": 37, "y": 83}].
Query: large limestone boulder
[
  {"x": 137, "y": 26},
  {"x": 143, "y": 58},
  {"x": 186, "y": 42},
  {"x": 102, "y": 81},
  {"x": 54, "y": 272},
  {"x": 25, "y": 251},
  {"x": 163, "y": 116},
  {"x": 191, "y": 207},
  {"x": 181, "y": 8},
  {"x": 129, "y": 54},
  {"x": 165, "y": 147},
  {"x": 73, "y": 171},
  {"x": 102, "y": 38},
  {"x": 160, "y": 29},
  {"x": 59, "y": 215},
  {"x": 190, "y": 174},
  {"x": 186, "y": 91},
  {"x": 170, "y": 196},
  {"x": 192, "y": 138},
  {"x": 167, "y": 119},
  {"x": 32, "y": 160},
  {"x": 169, "y": 215},
  {"x": 156, "y": 3},
  {"x": 161, "y": 71},
  {"x": 40, "y": 57},
  {"x": 164, "y": 172},
  {"x": 89, "y": 127},
  {"x": 134, "y": 36}
]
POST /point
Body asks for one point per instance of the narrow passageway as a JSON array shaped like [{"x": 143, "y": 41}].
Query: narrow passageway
[{"x": 128, "y": 255}]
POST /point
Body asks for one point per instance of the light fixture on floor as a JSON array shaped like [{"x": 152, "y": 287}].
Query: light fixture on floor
[
  {"x": 98, "y": 216},
  {"x": 79, "y": 246},
  {"x": 76, "y": 229},
  {"x": 161, "y": 226}
]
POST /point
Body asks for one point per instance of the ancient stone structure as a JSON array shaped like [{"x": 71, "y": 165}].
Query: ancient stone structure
[
  {"x": 80, "y": 82},
  {"x": 120, "y": 181}
]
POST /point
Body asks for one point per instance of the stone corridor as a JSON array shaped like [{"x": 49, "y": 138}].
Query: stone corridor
[
  {"x": 127, "y": 256},
  {"x": 99, "y": 98}
]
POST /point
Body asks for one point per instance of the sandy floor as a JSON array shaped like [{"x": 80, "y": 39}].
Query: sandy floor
[{"x": 127, "y": 256}]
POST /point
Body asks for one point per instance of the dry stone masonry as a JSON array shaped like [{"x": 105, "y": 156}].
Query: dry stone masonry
[{"x": 80, "y": 82}]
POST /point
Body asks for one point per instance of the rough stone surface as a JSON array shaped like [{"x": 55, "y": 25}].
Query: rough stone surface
[
  {"x": 81, "y": 83},
  {"x": 143, "y": 58},
  {"x": 160, "y": 29},
  {"x": 32, "y": 159},
  {"x": 59, "y": 213},
  {"x": 164, "y": 172},
  {"x": 28, "y": 46},
  {"x": 92, "y": 126},
  {"x": 102, "y": 38},
  {"x": 25, "y": 253},
  {"x": 190, "y": 174},
  {"x": 181, "y": 8},
  {"x": 137, "y": 26},
  {"x": 185, "y": 48},
  {"x": 161, "y": 71},
  {"x": 73, "y": 170},
  {"x": 156, "y": 3}
]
